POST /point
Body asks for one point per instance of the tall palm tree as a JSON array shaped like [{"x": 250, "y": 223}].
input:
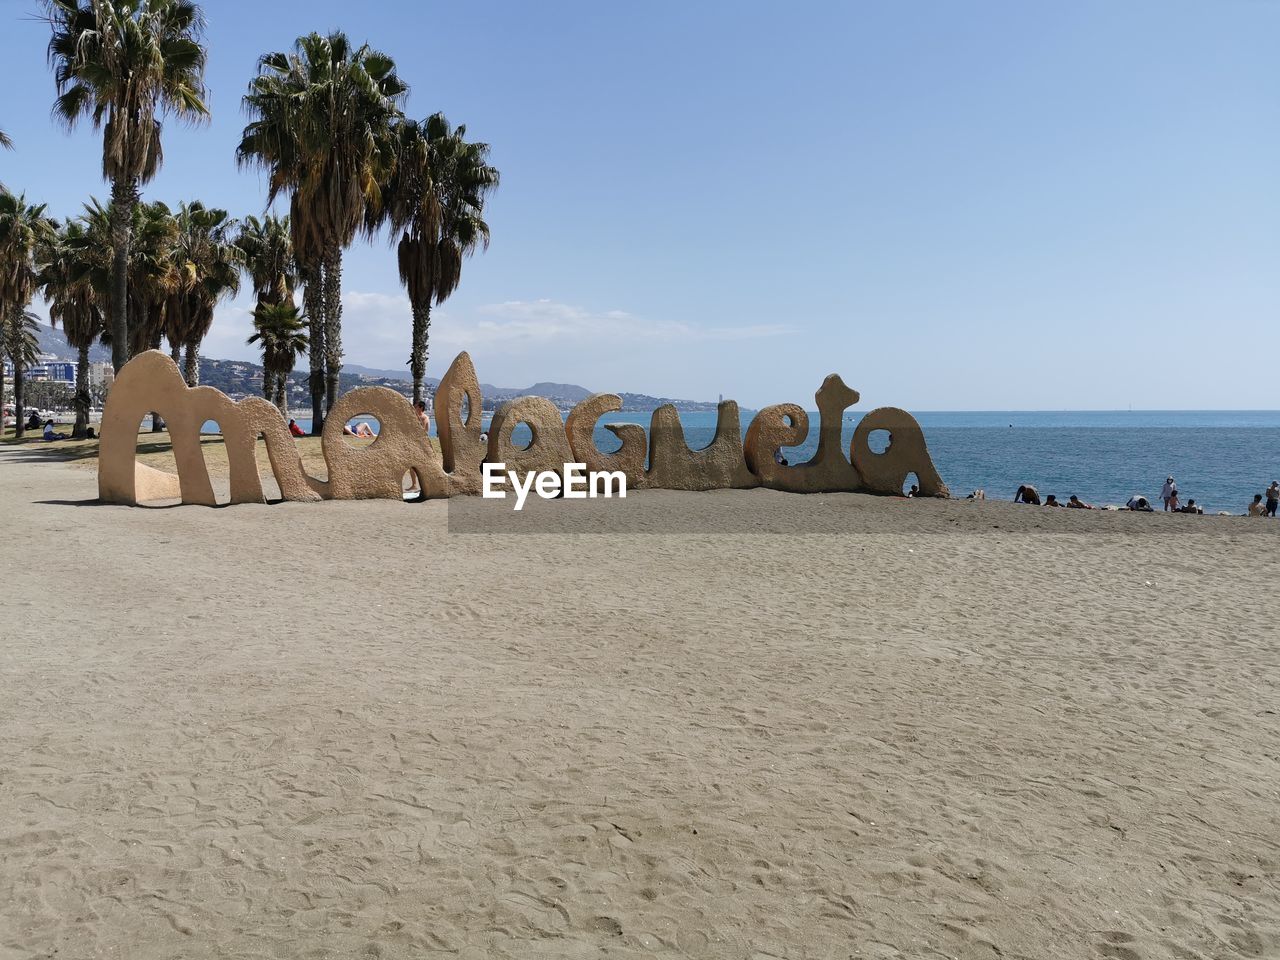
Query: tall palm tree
[
  {"x": 20, "y": 341},
  {"x": 25, "y": 235},
  {"x": 74, "y": 282},
  {"x": 207, "y": 264},
  {"x": 321, "y": 126},
  {"x": 124, "y": 64},
  {"x": 435, "y": 201},
  {"x": 281, "y": 331}
]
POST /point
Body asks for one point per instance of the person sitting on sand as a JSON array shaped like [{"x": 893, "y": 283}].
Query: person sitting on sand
[
  {"x": 296, "y": 430},
  {"x": 1191, "y": 507},
  {"x": 1169, "y": 494},
  {"x": 1140, "y": 504},
  {"x": 1027, "y": 494},
  {"x": 1078, "y": 504},
  {"x": 914, "y": 491},
  {"x": 1257, "y": 508},
  {"x": 1273, "y": 498},
  {"x": 1051, "y": 501},
  {"x": 49, "y": 434}
]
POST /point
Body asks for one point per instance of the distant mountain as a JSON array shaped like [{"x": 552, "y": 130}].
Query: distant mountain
[
  {"x": 55, "y": 342},
  {"x": 240, "y": 378}
]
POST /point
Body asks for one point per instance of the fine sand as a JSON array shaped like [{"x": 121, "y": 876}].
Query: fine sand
[{"x": 917, "y": 729}]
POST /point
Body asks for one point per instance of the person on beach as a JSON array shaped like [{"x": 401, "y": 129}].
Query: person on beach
[
  {"x": 1051, "y": 500},
  {"x": 1257, "y": 508},
  {"x": 1078, "y": 504},
  {"x": 1273, "y": 498},
  {"x": 419, "y": 408},
  {"x": 296, "y": 430},
  {"x": 1169, "y": 494},
  {"x": 1191, "y": 507},
  {"x": 914, "y": 491},
  {"x": 1027, "y": 494},
  {"x": 1140, "y": 504}
]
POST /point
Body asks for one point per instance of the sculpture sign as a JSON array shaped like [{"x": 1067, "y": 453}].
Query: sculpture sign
[{"x": 660, "y": 460}]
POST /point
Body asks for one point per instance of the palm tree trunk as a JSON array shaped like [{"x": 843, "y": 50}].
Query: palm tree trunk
[
  {"x": 82, "y": 394},
  {"x": 175, "y": 352},
  {"x": 282, "y": 395},
  {"x": 19, "y": 378},
  {"x": 313, "y": 306},
  {"x": 192, "y": 371},
  {"x": 418, "y": 356},
  {"x": 124, "y": 198},
  {"x": 332, "y": 324},
  {"x": 15, "y": 428}
]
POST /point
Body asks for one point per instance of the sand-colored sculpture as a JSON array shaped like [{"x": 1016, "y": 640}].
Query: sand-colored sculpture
[
  {"x": 580, "y": 426},
  {"x": 151, "y": 381},
  {"x": 673, "y": 466},
  {"x": 460, "y": 445},
  {"x": 907, "y": 453},
  {"x": 377, "y": 471},
  {"x": 787, "y": 425},
  {"x": 549, "y": 448}
]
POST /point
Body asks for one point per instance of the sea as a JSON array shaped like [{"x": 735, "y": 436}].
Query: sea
[{"x": 1221, "y": 458}]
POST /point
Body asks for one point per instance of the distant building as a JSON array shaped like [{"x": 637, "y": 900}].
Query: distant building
[
  {"x": 49, "y": 369},
  {"x": 101, "y": 375}
]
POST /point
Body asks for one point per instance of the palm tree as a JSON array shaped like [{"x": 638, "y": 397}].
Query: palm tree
[
  {"x": 435, "y": 201},
  {"x": 124, "y": 64},
  {"x": 321, "y": 126},
  {"x": 207, "y": 270},
  {"x": 281, "y": 331},
  {"x": 268, "y": 258},
  {"x": 20, "y": 339},
  {"x": 5, "y": 141},
  {"x": 74, "y": 282},
  {"x": 25, "y": 235}
]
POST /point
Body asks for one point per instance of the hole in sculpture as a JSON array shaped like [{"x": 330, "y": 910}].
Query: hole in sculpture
[
  {"x": 213, "y": 450},
  {"x": 879, "y": 441},
  {"x": 154, "y": 450},
  {"x": 466, "y": 408},
  {"x": 361, "y": 431},
  {"x": 410, "y": 485},
  {"x": 522, "y": 436},
  {"x": 911, "y": 481}
]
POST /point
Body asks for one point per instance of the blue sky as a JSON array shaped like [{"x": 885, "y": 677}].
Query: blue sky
[{"x": 979, "y": 205}]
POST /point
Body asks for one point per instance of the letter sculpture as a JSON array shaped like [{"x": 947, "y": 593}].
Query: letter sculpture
[{"x": 151, "y": 381}]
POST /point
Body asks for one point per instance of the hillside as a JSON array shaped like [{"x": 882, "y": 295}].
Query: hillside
[{"x": 240, "y": 378}]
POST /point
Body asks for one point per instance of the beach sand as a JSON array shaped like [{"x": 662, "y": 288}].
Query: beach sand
[{"x": 942, "y": 729}]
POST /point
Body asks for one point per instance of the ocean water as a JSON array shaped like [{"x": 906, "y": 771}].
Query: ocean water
[{"x": 1219, "y": 457}]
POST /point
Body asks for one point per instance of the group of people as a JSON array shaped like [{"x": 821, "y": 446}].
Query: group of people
[
  {"x": 1259, "y": 508},
  {"x": 1263, "y": 505}
]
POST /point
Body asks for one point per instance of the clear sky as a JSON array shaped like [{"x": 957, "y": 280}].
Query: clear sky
[{"x": 977, "y": 205}]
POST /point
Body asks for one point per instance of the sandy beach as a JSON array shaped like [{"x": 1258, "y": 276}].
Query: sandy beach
[{"x": 915, "y": 729}]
